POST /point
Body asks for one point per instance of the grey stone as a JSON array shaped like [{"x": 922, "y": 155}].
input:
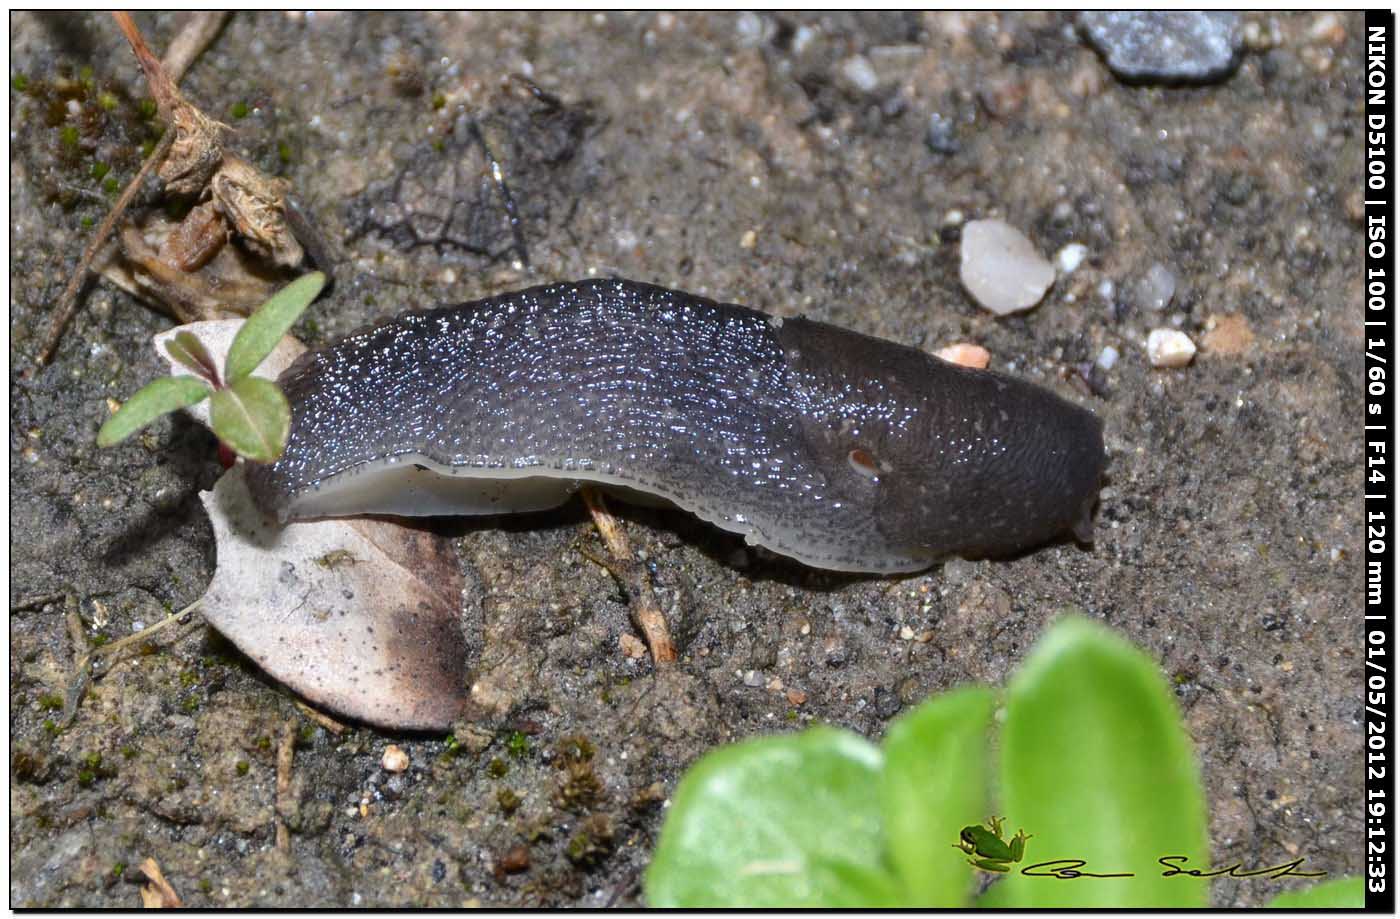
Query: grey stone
[{"x": 1174, "y": 46}]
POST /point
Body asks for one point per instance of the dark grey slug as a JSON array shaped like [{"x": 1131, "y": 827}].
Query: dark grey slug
[{"x": 837, "y": 449}]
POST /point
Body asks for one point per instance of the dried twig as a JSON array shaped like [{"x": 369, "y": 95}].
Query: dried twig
[
  {"x": 324, "y": 720},
  {"x": 193, "y": 39},
  {"x": 190, "y": 42},
  {"x": 646, "y": 612},
  {"x": 285, "y": 805},
  {"x": 68, "y": 303},
  {"x": 83, "y": 668}
]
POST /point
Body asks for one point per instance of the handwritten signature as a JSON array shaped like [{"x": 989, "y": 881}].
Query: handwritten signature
[{"x": 1068, "y": 869}]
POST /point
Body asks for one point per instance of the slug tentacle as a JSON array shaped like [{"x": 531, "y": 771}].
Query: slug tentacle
[{"x": 837, "y": 449}]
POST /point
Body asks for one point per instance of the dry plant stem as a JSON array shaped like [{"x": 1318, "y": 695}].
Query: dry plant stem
[
  {"x": 68, "y": 303},
  {"x": 35, "y": 602},
  {"x": 193, "y": 39},
  {"x": 646, "y": 612},
  {"x": 324, "y": 720},
  {"x": 83, "y": 674},
  {"x": 189, "y": 43},
  {"x": 285, "y": 746}
]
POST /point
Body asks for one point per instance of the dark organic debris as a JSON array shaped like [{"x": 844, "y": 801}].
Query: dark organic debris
[
  {"x": 495, "y": 182},
  {"x": 1173, "y": 46}
]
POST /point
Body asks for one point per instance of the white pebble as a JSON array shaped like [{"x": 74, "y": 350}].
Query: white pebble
[
  {"x": 966, "y": 355},
  {"x": 1157, "y": 287},
  {"x": 859, "y": 72},
  {"x": 1107, "y": 357},
  {"x": 1169, "y": 348},
  {"x": 1001, "y": 268},
  {"x": 394, "y": 759},
  {"x": 1071, "y": 257}
]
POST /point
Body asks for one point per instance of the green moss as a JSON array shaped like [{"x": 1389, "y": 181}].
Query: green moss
[
  {"x": 188, "y": 678},
  {"x": 239, "y": 110},
  {"x": 118, "y": 869},
  {"x": 85, "y": 74},
  {"x": 128, "y": 752},
  {"x": 50, "y": 727},
  {"x": 111, "y": 186},
  {"x": 190, "y": 705},
  {"x": 284, "y": 151},
  {"x": 575, "y": 749},
  {"x": 518, "y": 745},
  {"x": 19, "y": 82},
  {"x": 205, "y": 885},
  {"x": 86, "y": 777},
  {"x": 99, "y": 170},
  {"x": 497, "y": 768},
  {"x": 581, "y": 788},
  {"x": 147, "y": 108},
  {"x": 508, "y": 801},
  {"x": 68, "y": 136},
  {"x": 147, "y": 148},
  {"x": 263, "y": 743},
  {"x": 439, "y": 100},
  {"x": 439, "y": 145},
  {"x": 51, "y": 702},
  {"x": 101, "y": 638},
  {"x": 242, "y": 767},
  {"x": 107, "y": 102}
]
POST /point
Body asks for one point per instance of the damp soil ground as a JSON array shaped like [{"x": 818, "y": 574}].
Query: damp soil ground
[{"x": 755, "y": 159}]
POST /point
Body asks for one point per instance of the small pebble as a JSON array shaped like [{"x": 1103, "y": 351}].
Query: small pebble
[
  {"x": 753, "y": 678},
  {"x": 748, "y": 240},
  {"x": 941, "y": 136},
  {"x": 394, "y": 759},
  {"x": 966, "y": 355},
  {"x": 906, "y": 633},
  {"x": 1166, "y": 46},
  {"x": 632, "y": 646},
  {"x": 1071, "y": 257},
  {"x": 857, "y": 71},
  {"x": 1157, "y": 287},
  {"x": 796, "y": 696},
  {"x": 1001, "y": 268},
  {"x": 516, "y": 860},
  {"x": 1169, "y": 348},
  {"x": 1107, "y": 357}
]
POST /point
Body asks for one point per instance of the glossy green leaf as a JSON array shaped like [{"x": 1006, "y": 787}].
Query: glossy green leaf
[
  {"x": 934, "y": 784},
  {"x": 265, "y": 328},
  {"x": 1096, "y": 765},
  {"x": 252, "y": 417},
  {"x": 779, "y": 821},
  {"x": 1342, "y": 893},
  {"x": 189, "y": 352},
  {"x": 168, "y": 394}
]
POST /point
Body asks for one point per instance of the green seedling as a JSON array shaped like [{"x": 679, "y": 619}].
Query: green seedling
[
  {"x": 249, "y": 414},
  {"x": 988, "y": 849}
]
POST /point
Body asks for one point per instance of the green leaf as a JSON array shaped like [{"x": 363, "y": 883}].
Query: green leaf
[
  {"x": 779, "y": 821},
  {"x": 168, "y": 394},
  {"x": 264, "y": 329},
  {"x": 934, "y": 784},
  {"x": 252, "y": 417},
  {"x": 189, "y": 352},
  {"x": 1342, "y": 893},
  {"x": 1096, "y": 765}
]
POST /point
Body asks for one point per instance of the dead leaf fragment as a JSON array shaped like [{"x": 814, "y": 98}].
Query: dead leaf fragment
[
  {"x": 379, "y": 640},
  {"x": 157, "y": 894}
]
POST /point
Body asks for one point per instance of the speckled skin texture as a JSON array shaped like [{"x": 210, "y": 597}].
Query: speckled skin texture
[{"x": 837, "y": 449}]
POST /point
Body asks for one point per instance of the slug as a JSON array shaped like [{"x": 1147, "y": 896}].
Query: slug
[{"x": 837, "y": 449}]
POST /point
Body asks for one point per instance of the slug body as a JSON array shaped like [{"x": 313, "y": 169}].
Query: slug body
[{"x": 839, "y": 450}]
